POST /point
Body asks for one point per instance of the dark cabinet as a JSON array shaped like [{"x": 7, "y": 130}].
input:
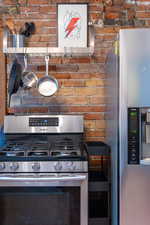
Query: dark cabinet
[{"x": 99, "y": 184}]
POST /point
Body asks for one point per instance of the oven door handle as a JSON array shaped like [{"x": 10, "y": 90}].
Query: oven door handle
[{"x": 43, "y": 178}]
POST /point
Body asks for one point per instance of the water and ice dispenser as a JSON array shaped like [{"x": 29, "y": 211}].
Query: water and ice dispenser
[{"x": 139, "y": 136}]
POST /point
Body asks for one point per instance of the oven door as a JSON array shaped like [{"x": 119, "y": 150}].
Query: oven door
[{"x": 44, "y": 199}]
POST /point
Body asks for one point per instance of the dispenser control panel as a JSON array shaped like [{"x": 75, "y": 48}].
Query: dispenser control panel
[{"x": 133, "y": 136}]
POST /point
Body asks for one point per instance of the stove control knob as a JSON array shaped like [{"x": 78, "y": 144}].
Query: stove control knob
[
  {"x": 58, "y": 166},
  {"x": 2, "y": 166},
  {"x": 68, "y": 165},
  {"x": 73, "y": 167},
  {"x": 14, "y": 166},
  {"x": 36, "y": 166}
]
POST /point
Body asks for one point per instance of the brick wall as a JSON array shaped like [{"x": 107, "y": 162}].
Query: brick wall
[
  {"x": 81, "y": 80},
  {"x": 2, "y": 78}
]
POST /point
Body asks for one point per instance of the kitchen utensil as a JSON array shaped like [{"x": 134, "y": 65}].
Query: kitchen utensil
[
  {"x": 28, "y": 77},
  {"x": 22, "y": 29},
  {"x": 28, "y": 29},
  {"x": 18, "y": 40},
  {"x": 15, "y": 80},
  {"x": 47, "y": 85},
  {"x": 11, "y": 25},
  {"x": 2, "y": 136},
  {"x": 31, "y": 29}
]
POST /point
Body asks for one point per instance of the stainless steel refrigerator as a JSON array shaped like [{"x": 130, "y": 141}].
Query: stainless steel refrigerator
[{"x": 128, "y": 127}]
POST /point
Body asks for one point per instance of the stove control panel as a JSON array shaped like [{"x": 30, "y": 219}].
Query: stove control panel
[
  {"x": 43, "y": 166},
  {"x": 43, "y": 122},
  {"x": 47, "y": 124}
]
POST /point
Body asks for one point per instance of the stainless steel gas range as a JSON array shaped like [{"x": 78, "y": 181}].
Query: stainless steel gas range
[{"x": 43, "y": 171}]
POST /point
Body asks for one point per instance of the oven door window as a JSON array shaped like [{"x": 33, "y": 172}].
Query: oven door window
[{"x": 40, "y": 206}]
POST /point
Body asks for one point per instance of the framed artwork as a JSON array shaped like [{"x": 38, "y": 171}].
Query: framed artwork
[{"x": 72, "y": 25}]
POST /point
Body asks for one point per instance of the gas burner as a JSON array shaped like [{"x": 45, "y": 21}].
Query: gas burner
[
  {"x": 38, "y": 154},
  {"x": 12, "y": 154},
  {"x": 65, "y": 147},
  {"x": 62, "y": 154}
]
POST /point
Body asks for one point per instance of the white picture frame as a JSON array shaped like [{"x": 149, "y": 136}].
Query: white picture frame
[{"x": 72, "y": 25}]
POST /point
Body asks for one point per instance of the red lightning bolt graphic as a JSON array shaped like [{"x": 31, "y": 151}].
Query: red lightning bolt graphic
[{"x": 71, "y": 25}]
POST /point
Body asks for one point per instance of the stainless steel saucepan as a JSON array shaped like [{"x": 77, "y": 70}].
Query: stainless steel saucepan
[
  {"x": 47, "y": 85},
  {"x": 28, "y": 77}
]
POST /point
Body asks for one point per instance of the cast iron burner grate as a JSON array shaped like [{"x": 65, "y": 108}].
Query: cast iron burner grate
[{"x": 65, "y": 144}]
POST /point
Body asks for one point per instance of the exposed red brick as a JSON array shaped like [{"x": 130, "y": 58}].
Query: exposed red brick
[
  {"x": 97, "y": 100},
  {"x": 96, "y": 1},
  {"x": 76, "y": 100},
  {"x": 114, "y": 8},
  {"x": 106, "y": 37},
  {"x": 97, "y": 7},
  {"x": 47, "y": 9},
  {"x": 40, "y": 44},
  {"x": 45, "y": 23},
  {"x": 94, "y": 116},
  {"x": 95, "y": 82},
  {"x": 62, "y": 76},
  {"x": 141, "y": 7},
  {"x": 65, "y": 92},
  {"x": 89, "y": 91},
  {"x": 143, "y": 14},
  {"x": 96, "y": 133},
  {"x": 95, "y": 139},
  {"x": 112, "y": 15},
  {"x": 95, "y": 16},
  {"x": 38, "y": 2},
  {"x": 8, "y": 2},
  {"x": 72, "y": 83},
  {"x": 46, "y": 38},
  {"x": 89, "y": 124},
  {"x": 28, "y": 10},
  {"x": 86, "y": 109},
  {"x": 77, "y": 60},
  {"x": 100, "y": 124},
  {"x": 100, "y": 59},
  {"x": 28, "y": 110},
  {"x": 105, "y": 30},
  {"x": 34, "y": 16}
]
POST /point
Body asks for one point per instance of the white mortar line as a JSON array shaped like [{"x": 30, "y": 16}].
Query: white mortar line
[{"x": 138, "y": 2}]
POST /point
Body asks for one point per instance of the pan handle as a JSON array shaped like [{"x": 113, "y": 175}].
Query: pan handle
[
  {"x": 25, "y": 63},
  {"x": 47, "y": 62}
]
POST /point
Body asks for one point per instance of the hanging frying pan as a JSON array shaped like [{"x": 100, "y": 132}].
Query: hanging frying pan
[
  {"x": 15, "y": 79},
  {"x": 47, "y": 85}
]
